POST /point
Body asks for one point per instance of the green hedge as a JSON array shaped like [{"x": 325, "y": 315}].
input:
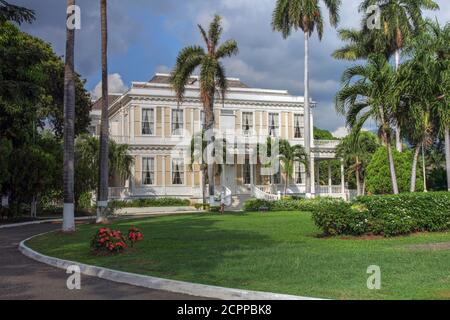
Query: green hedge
[
  {"x": 150, "y": 202},
  {"x": 284, "y": 204},
  {"x": 385, "y": 215}
]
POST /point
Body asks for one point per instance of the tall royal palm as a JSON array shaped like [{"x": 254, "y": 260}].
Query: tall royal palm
[
  {"x": 102, "y": 194},
  {"x": 212, "y": 78},
  {"x": 400, "y": 21},
  {"x": 367, "y": 93},
  {"x": 306, "y": 15},
  {"x": 69, "y": 126}
]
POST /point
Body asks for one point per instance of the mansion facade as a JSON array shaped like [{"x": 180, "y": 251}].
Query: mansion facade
[{"x": 159, "y": 132}]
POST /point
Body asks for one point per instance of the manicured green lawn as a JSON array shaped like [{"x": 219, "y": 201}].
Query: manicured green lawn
[{"x": 277, "y": 252}]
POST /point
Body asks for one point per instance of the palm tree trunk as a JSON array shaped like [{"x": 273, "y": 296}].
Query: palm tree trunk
[
  {"x": 414, "y": 169},
  {"x": 358, "y": 181},
  {"x": 424, "y": 170},
  {"x": 447, "y": 154},
  {"x": 364, "y": 186},
  {"x": 69, "y": 129},
  {"x": 204, "y": 179},
  {"x": 209, "y": 120},
  {"x": 102, "y": 198},
  {"x": 398, "y": 139},
  {"x": 307, "y": 117},
  {"x": 387, "y": 140},
  {"x": 392, "y": 167}
]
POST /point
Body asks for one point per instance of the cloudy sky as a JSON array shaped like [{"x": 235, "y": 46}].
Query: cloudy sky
[{"x": 146, "y": 35}]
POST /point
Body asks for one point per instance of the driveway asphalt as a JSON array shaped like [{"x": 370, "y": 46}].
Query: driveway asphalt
[{"x": 22, "y": 278}]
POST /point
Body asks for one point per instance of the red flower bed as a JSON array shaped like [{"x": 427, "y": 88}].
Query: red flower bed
[
  {"x": 113, "y": 241},
  {"x": 134, "y": 235},
  {"x": 110, "y": 240}
]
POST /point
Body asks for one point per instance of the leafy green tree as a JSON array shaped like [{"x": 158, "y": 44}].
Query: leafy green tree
[
  {"x": 378, "y": 181},
  {"x": 212, "y": 77},
  {"x": 11, "y": 12},
  {"x": 357, "y": 151},
  {"x": 87, "y": 165},
  {"x": 306, "y": 15},
  {"x": 321, "y": 134},
  {"x": 367, "y": 93},
  {"x": 289, "y": 155}
]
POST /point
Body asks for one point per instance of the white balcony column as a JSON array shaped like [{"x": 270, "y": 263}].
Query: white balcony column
[
  {"x": 342, "y": 178},
  {"x": 317, "y": 168},
  {"x": 330, "y": 182},
  {"x": 164, "y": 174},
  {"x": 252, "y": 181}
]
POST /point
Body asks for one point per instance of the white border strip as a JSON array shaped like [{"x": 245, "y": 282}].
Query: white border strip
[
  {"x": 149, "y": 282},
  {"x": 22, "y": 224}
]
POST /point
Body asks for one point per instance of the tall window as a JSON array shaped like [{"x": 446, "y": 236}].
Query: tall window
[
  {"x": 298, "y": 125},
  {"x": 247, "y": 122},
  {"x": 247, "y": 172},
  {"x": 299, "y": 172},
  {"x": 274, "y": 124},
  {"x": 148, "y": 171},
  {"x": 148, "y": 121},
  {"x": 177, "y": 171},
  {"x": 177, "y": 122},
  {"x": 276, "y": 177}
]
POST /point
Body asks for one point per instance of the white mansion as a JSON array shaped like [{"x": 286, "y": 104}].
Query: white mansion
[{"x": 159, "y": 132}]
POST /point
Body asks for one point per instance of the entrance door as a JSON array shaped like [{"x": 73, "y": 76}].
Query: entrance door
[{"x": 230, "y": 177}]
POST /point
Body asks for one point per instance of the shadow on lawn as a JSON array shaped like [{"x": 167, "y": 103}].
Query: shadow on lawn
[{"x": 192, "y": 246}]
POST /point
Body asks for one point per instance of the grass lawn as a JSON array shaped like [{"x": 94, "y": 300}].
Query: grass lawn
[{"x": 278, "y": 252}]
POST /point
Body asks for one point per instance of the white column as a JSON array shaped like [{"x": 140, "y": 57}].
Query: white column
[
  {"x": 313, "y": 176},
  {"x": 329, "y": 178},
  {"x": 163, "y": 124},
  {"x": 342, "y": 178},
  {"x": 164, "y": 174},
  {"x": 251, "y": 174}
]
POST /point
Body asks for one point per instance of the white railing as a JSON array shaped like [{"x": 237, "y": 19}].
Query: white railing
[
  {"x": 260, "y": 194},
  {"x": 119, "y": 192},
  {"x": 326, "y": 143},
  {"x": 334, "y": 189}
]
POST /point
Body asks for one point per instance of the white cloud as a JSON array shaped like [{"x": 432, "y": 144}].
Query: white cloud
[
  {"x": 341, "y": 132},
  {"x": 115, "y": 85}
]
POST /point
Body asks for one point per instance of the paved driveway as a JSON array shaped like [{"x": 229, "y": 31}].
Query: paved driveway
[{"x": 24, "y": 278}]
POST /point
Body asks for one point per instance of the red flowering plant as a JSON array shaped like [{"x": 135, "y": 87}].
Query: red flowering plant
[
  {"x": 134, "y": 235},
  {"x": 112, "y": 241}
]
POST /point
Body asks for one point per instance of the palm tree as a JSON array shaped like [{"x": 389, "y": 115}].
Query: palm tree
[
  {"x": 212, "y": 77},
  {"x": 401, "y": 20},
  {"x": 357, "y": 150},
  {"x": 367, "y": 93},
  {"x": 427, "y": 81},
  {"x": 69, "y": 129},
  {"x": 289, "y": 155},
  {"x": 10, "y": 12},
  {"x": 291, "y": 15},
  {"x": 102, "y": 194}
]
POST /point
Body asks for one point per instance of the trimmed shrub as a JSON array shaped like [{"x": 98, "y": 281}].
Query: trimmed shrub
[
  {"x": 385, "y": 215},
  {"x": 379, "y": 177},
  {"x": 151, "y": 202},
  {"x": 284, "y": 204}
]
